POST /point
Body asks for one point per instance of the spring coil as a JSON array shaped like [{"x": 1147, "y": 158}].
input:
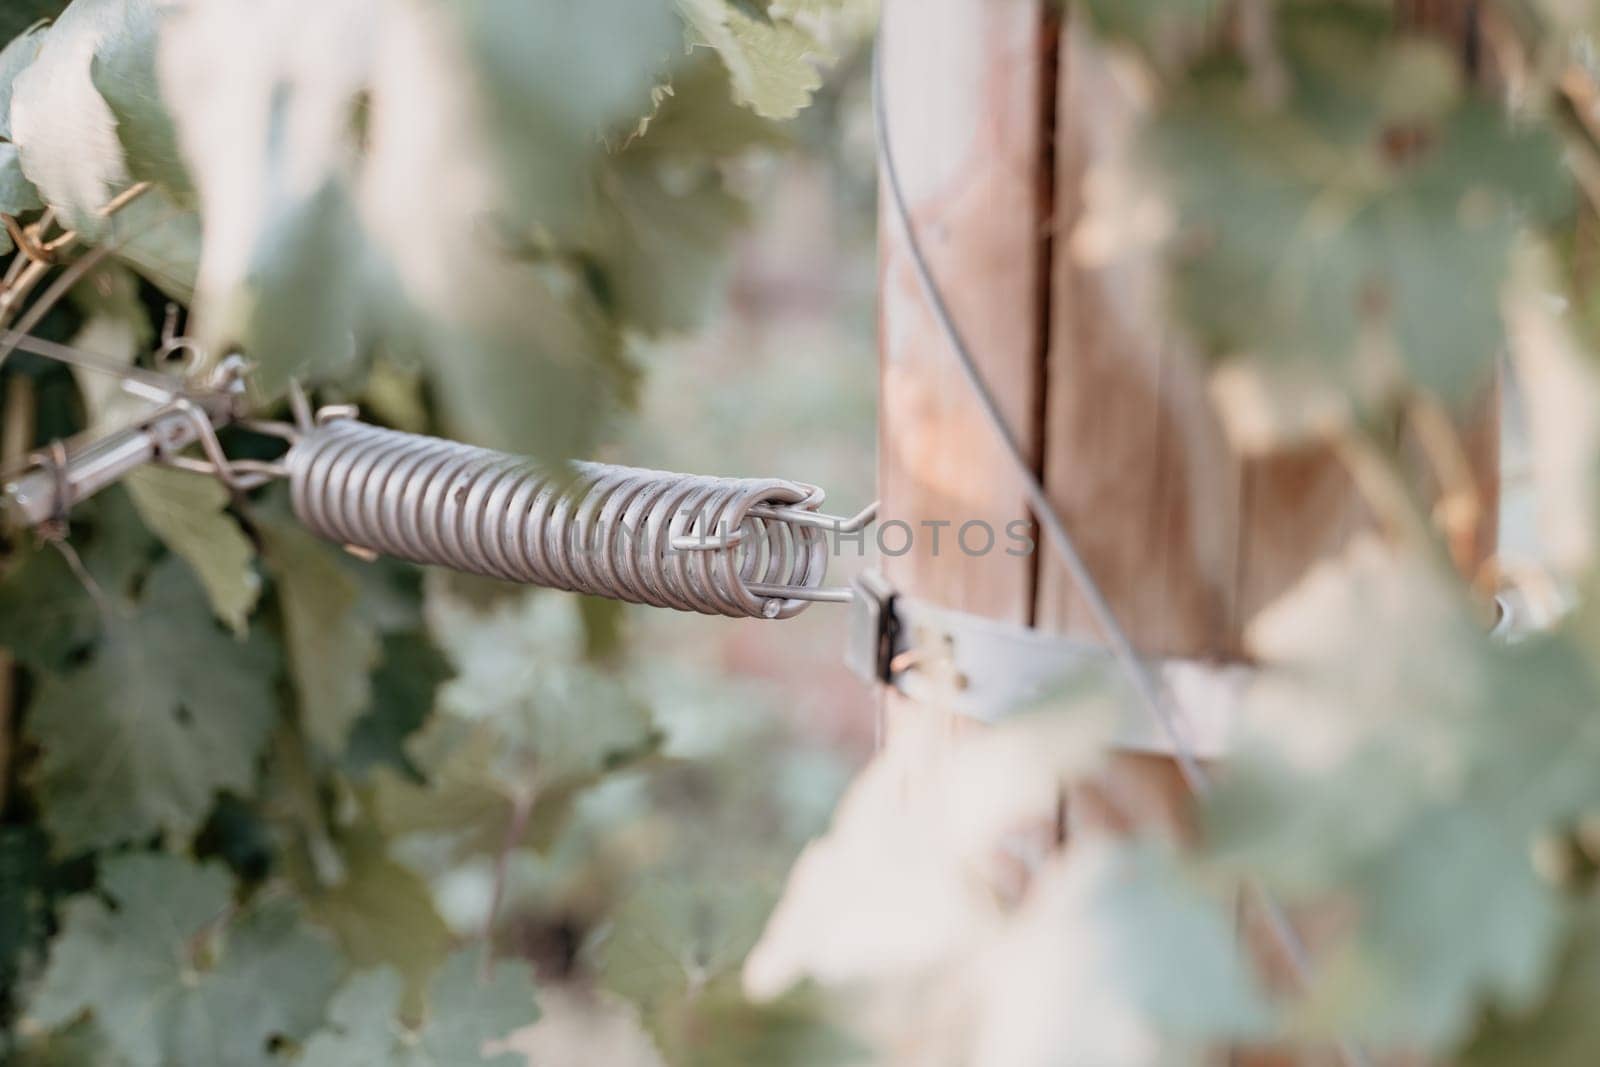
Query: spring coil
[{"x": 617, "y": 532}]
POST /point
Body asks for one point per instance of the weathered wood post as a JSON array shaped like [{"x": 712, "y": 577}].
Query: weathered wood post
[{"x": 1004, "y": 117}]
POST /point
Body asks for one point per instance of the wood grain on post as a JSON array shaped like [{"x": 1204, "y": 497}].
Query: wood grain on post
[{"x": 969, "y": 114}]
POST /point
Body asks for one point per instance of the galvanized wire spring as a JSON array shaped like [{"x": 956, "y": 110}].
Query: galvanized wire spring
[{"x": 747, "y": 548}]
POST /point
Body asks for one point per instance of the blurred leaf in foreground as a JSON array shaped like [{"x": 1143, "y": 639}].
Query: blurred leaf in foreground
[
  {"x": 265, "y": 99},
  {"x": 1563, "y": 1030},
  {"x": 17, "y": 194},
  {"x": 1349, "y": 246},
  {"x": 1414, "y": 787},
  {"x": 66, "y": 137}
]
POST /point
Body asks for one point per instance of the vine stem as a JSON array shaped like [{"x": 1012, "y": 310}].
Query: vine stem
[
  {"x": 1460, "y": 505},
  {"x": 521, "y": 812},
  {"x": 21, "y": 287}
]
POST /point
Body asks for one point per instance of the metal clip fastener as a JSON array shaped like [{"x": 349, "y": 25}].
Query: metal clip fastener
[{"x": 870, "y": 653}]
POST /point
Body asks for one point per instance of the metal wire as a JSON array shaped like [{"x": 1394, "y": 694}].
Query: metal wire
[
  {"x": 642, "y": 536},
  {"x": 1151, "y": 691}
]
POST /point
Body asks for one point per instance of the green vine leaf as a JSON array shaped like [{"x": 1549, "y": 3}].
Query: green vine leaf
[
  {"x": 82, "y": 1044},
  {"x": 405, "y": 688},
  {"x": 773, "y": 62},
  {"x": 47, "y": 616},
  {"x": 189, "y": 513},
  {"x": 1349, "y": 247},
  {"x": 520, "y": 668},
  {"x": 525, "y": 357},
  {"x": 465, "y": 1015},
  {"x": 126, "y": 77},
  {"x": 1142, "y": 965},
  {"x": 66, "y": 138},
  {"x": 667, "y": 219},
  {"x": 673, "y": 937},
  {"x": 383, "y": 915},
  {"x": 332, "y": 646},
  {"x": 166, "y": 712},
  {"x": 178, "y": 974},
  {"x": 17, "y": 194},
  {"x": 674, "y": 948},
  {"x": 264, "y": 99},
  {"x": 1563, "y": 1030},
  {"x": 62, "y": 127},
  {"x": 1424, "y": 819}
]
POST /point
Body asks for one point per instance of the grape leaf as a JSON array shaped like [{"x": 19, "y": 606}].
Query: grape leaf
[
  {"x": 17, "y": 194},
  {"x": 1562, "y": 1031},
  {"x": 464, "y": 1015},
  {"x": 116, "y": 328},
  {"x": 666, "y": 218},
  {"x": 383, "y": 914},
  {"x": 166, "y": 712},
  {"x": 475, "y": 791},
  {"x": 189, "y": 513},
  {"x": 1413, "y": 787},
  {"x": 179, "y": 976},
  {"x": 82, "y": 1044},
  {"x": 264, "y": 98},
  {"x": 772, "y": 61},
  {"x": 489, "y": 122},
  {"x": 719, "y": 1028},
  {"x": 47, "y": 616},
  {"x": 520, "y": 666},
  {"x": 674, "y": 947},
  {"x": 1115, "y": 960},
  {"x": 127, "y": 79},
  {"x": 404, "y": 689},
  {"x": 65, "y": 132},
  {"x": 904, "y": 882},
  {"x": 547, "y": 87},
  {"x": 332, "y": 646},
  {"x": 1350, "y": 246},
  {"x": 66, "y": 138},
  {"x": 672, "y": 936}
]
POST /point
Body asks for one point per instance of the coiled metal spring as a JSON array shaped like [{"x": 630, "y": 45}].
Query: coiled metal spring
[{"x": 721, "y": 546}]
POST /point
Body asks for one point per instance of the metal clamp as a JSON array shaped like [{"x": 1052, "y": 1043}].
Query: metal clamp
[{"x": 987, "y": 670}]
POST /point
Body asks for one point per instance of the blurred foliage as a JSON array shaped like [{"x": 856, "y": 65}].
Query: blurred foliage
[
  {"x": 261, "y": 803},
  {"x": 265, "y": 804}
]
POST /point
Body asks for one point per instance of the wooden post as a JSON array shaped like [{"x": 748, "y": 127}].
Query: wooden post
[
  {"x": 999, "y": 117},
  {"x": 1002, "y": 119},
  {"x": 969, "y": 92}
]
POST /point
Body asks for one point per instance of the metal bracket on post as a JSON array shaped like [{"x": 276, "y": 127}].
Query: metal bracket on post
[
  {"x": 988, "y": 670},
  {"x": 870, "y": 653}
]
